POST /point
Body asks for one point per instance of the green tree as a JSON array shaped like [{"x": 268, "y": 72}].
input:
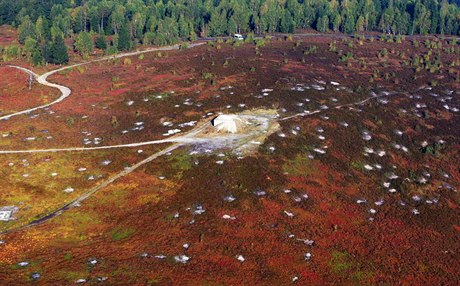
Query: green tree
[
  {"x": 287, "y": 24},
  {"x": 184, "y": 27},
  {"x": 58, "y": 51},
  {"x": 101, "y": 42},
  {"x": 42, "y": 29},
  {"x": 11, "y": 52},
  {"x": 360, "y": 24},
  {"x": 217, "y": 24},
  {"x": 231, "y": 27},
  {"x": 26, "y": 29},
  {"x": 30, "y": 46},
  {"x": 84, "y": 44},
  {"x": 37, "y": 57},
  {"x": 124, "y": 39},
  {"x": 117, "y": 18},
  {"x": 323, "y": 24}
]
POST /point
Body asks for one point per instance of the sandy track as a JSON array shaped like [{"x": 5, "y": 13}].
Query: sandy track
[
  {"x": 180, "y": 139},
  {"x": 65, "y": 91}
]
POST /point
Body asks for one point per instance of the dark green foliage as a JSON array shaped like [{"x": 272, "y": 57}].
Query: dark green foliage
[
  {"x": 180, "y": 18},
  {"x": 84, "y": 44},
  {"x": 432, "y": 149},
  {"x": 37, "y": 58},
  {"x": 101, "y": 42},
  {"x": 124, "y": 39},
  {"x": 58, "y": 51}
]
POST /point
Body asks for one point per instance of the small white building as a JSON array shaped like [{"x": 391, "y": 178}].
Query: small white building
[{"x": 228, "y": 123}]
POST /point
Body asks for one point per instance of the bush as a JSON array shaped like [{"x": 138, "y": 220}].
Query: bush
[
  {"x": 11, "y": 52},
  {"x": 311, "y": 50},
  {"x": 260, "y": 43},
  {"x": 111, "y": 50},
  {"x": 383, "y": 53},
  {"x": 101, "y": 42},
  {"x": 207, "y": 75},
  {"x": 237, "y": 43},
  {"x": 349, "y": 56},
  {"x": 333, "y": 46}
]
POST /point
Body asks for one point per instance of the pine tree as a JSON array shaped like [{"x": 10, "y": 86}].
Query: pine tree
[
  {"x": 30, "y": 46},
  {"x": 124, "y": 39},
  {"x": 37, "y": 57},
  {"x": 184, "y": 28},
  {"x": 101, "y": 42},
  {"x": 59, "y": 51},
  {"x": 84, "y": 44},
  {"x": 26, "y": 29}
]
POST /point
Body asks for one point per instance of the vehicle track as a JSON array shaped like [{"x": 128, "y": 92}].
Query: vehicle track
[{"x": 65, "y": 91}]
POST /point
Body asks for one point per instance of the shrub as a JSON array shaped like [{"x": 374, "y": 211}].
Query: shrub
[
  {"x": 347, "y": 57},
  {"x": 206, "y": 75},
  {"x": 311, "y": 50},
  {"x": 260, "y": 43},
  {"x": 383, "y": 53},
  {"x": 11, "y": 52},
  {"x": 333, "y": 46},
  {"x": 101, "y": 42},
  {"x": 111, "y": 50}
]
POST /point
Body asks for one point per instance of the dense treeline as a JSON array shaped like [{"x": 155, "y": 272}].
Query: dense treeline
[{"x": 43, "y": 23}]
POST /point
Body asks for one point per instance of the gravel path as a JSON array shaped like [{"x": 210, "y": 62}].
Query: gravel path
[{"x": 65, "y": 91}]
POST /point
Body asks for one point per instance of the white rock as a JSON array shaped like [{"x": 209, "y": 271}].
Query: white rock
[
  {"x": 69, "y": 190},
  {"x": 181, "y": 258}
]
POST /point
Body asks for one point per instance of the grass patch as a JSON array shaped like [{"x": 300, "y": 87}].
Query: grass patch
[
  {"x": 357, "y": 165},
  {"x": 299, "y": 166},
  {"x": 68, "y": 255},
  {"x": 340, "y": 262},
  {"x": 182, "y": 162},
  {"x": 120, "y": 233},
  {"x": 362, "y": 277}
]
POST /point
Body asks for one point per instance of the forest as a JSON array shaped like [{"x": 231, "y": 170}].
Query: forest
[{"x": 43, "y": 25}]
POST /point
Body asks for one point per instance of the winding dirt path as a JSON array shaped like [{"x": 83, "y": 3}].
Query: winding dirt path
[{"x": 65, "y": 91}]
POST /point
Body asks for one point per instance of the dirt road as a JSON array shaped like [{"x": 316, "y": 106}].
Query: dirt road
[{"x": 65, "y": 91}]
